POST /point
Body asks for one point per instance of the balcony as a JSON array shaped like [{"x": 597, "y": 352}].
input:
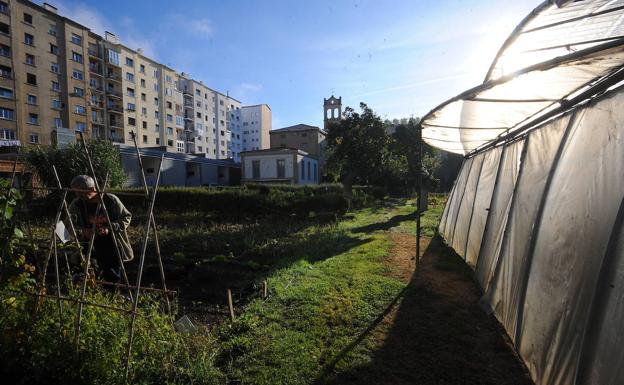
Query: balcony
[
  {"x": 95, "y": 54},
  {"x": 114, "y": 77},
  {"x": 98, "y": 105},
  {"x": 115, "y": 123},
  {"x": 117, "y": 139},
  {"x": 114, "y": 108},
  {"x": 113, "y": 93}
]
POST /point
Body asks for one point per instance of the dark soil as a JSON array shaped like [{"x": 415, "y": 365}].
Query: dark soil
[{"x": 437, "y": 333}]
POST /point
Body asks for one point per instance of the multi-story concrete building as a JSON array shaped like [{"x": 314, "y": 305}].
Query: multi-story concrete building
[{"x": 257, "y": 122}]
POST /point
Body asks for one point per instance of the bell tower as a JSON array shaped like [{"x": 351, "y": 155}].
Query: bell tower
[{"x": 332, "y": 108}]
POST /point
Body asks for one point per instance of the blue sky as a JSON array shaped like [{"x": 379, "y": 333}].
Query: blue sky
[{"x": 402, "y": 58}]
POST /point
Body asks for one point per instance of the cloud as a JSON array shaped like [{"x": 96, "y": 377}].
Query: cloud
[
  {"x": 84, "y": 15},
  {"x": 247, "y": 92},
  {"x": 202, "y": 26}
]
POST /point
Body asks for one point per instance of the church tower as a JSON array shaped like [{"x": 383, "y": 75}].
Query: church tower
[{"x": 332, "y": 110}]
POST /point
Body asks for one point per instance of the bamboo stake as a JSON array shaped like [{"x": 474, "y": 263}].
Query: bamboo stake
[
  {"x": 68, "y": 215},
  {"x": 51, "y": 249},
  {"x": 58, "y": 284},
  {"x": 265, "y": 289},
  {"x": 230, "y": 303},
  {"x": 140, "y": 273}
]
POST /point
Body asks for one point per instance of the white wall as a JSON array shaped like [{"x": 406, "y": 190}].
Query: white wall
[{"x": 268, "y": 166}]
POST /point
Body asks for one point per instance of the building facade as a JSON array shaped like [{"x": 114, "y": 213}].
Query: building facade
[
  {"x": 310, "y": 139},
  {"x": 58, "y": 79},
  {"x": 279, "y": 165},
  {"x": 257, "y": 121}
]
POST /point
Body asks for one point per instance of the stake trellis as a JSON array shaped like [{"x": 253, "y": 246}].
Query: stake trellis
[{"x": 133, "y": 291}]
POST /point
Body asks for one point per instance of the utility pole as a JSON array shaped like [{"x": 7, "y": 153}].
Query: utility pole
[{"x": 419, "y": 192}]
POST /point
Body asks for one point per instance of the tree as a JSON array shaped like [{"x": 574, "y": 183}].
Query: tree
[
  {"x": 72, "y": 161},
  {"x": 357, "y": 147}
]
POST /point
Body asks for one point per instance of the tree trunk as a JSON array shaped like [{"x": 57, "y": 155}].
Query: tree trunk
[{"x": 347, "y": 185}]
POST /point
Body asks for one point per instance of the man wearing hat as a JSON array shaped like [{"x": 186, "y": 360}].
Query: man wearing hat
[{"x": 89, "y": 216}]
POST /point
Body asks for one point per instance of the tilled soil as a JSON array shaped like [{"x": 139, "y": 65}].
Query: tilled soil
[{"x": 436, "y": 333}]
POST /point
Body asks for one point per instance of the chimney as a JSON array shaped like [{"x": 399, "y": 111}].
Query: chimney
[
  {"x": 140, "y": 51},
  {"x": 50, "y": 8}
]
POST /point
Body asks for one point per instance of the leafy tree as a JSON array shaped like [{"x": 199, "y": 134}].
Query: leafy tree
[
  {"x": 72, "y": 161},
  {"x": 357, "y": 147}
]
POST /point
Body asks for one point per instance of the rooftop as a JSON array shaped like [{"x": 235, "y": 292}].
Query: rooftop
[{"x": 296, "y": 127}]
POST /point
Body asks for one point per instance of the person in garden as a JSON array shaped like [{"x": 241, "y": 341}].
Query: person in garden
[{"x": 90, "y": 219}]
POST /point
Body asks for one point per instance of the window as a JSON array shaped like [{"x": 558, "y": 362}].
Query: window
[
  {"x": 131, "y": 107},
  {"x": 157, "y": 142},
  {"x": 79, "y": 92},
  {"x": 168, "y": 91},
  {"x": 168, "y": 78},
  {"x": 76, "y": 57},
  {"x": 54, "y": 49},
  {"x": 144, "y": 138},
  {"x": 145, "y": 125},
  {"x": 255, "y": 169},
  {"x": 30, "y": 59},
  {"x": 143, "y": 111},
  {"x": 7, "y": 113},
  {"x": 180, "y": 146},
  {"x": 143, "y": 97},
  {"x": 143, "y": 83},
  {"x": 142, "y": 69},
  {"x": 54, "y": 68},
  {"x": 169, "y": 131},
  {"x": 29, "y": 39},
  {"x": 200, "y": 149},
  {"x": 33, "y": 119},
  {"x": 155, "y": 101},
  {"x": 6, "y": 93},
  {"x": 33, "y": 138},
  {"x": 169, "y": 118},
  {"x": 76, "y": 39},
  {"x": 4, "y": 7},
  {"x": 129, "y": 77},
  {"x": 80, "y": 109},
  {"x": 170, "y": 143},
  {"x": 222, "y": 133},
  {"x": 157, "y": 128},
  {"x": 179, "y": 121},
  {"x": 113, "y": 57},
  {"x": 281, "y": 168},
  {"x": 77, "y": 74},
  {"x": 131, "y": 121},
  {"x": 156, "y": 87},
  {"x": 129, "y": 62},
  {"x": 56, "y": 86},
  {"x": 130, "y": 91},
  {"x": 56, "y": 104},
  {"x": 31, "y": 99},
  {"x": 156, "y": 115},
  {"x": 169, "y": 105},
  {"x": 5, "y": 50},
  {"x": 7, "y": 134},
  {"x": 58, "y": 123},
  {"x": 81, "y": 126},
  {"x": 221, "y": 102},
  {"x": 27, "y": 18},
  {"x": 31, "y": 79},
  {"x": 155, "y": 73},
  {"x": 4, "y": 28},
  {"x": 52, "y": 30}
]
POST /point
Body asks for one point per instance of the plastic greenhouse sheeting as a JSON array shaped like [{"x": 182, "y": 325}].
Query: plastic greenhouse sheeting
[{"x": 551, "y": 256}]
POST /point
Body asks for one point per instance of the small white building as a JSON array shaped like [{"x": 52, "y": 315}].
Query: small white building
[{"x": 279, "y": 165}]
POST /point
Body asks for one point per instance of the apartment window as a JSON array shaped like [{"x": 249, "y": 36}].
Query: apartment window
[
  {"x": 29, "y": 39},
  {"x": 79, "y": 92},
  {"x": 255, "y": 169},
  {"x": 56, "y": 104},
  {"x": 156, "y": 115},
  {"x": 4, "y": 28},
  {"x": 144, "y": 125},
  {"x": 33, "y": 119},
  {"x": 77, "y": 74},
  {"x": 113, "y": 57},
  {"x": 143, "y": 83},
  {"x": 7, "y": 134},
  {"x": 4, "y": 7},
  {"x": 131, "y": 107},
  {"x": 155, "y": 73},
  {"x": 170, "y": 143},
  {"x": 179, "y": 121},
  {"x": 5, "y": 50},
  {"x": 33, "y": 138},
  {"x": 30, "y": 59},
  {"x": 76, "y": 57},
  {"x": 94, "y": 116},
  {"x": 142, "y": 69},
  {"x": 31, "y": 99},
  {"x": 80, "y": 109},
  {"x": 81, "y": 127},
  {"x": 157, "y": 140},
  {"x": 76, "y": 39},
  {"x": 157, "y": 128},
  {"x": 31, "y": 79},
  {"x": 169, "y": 118},
  {"x": 131, "y": 121},
  {"x": 56, "y": 86},
  {"x": 54, "y": 68},
  {"x": 27, "y": 18},
  {"x": 143, "y": 111},
  {"x": 129, "y": 62},
  {"x": 168, "y": 91},
  {"x": 168, "y": 78},
  {"x": 52, "y": 30},
  {"x": 129, "y": 77},
  {"x": 130, "y": 91},
  {"x": 169, "y": 131},
  {"x": 198, "y": 104},
  {"x": 58, "y": 122},
  {"x": 7, "y": 113},
  {"x": 222, "y": 133},
  {"x": 180, "y": 146},
  {"x": 143, "y": 97},
  {"x": 200, "y": 149},
  {"x": 54, "y": 49},
  {"x": 6, "y": 93},
  {"x": 145, "y": 139},
  {"x": 281, "y": 168},
  {"x": 156, "y": 87},
  {"x": 221, "y": 102}
]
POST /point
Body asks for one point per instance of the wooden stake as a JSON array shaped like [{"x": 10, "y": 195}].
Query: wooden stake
[
  {"x": 230, "y": 303},
  {"x": 265, "y": 289}
]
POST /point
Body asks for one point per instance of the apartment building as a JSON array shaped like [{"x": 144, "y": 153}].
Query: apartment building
[{"x": 256, "y": 122}]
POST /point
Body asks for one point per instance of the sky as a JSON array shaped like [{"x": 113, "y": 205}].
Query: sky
[{"x": 400, "y": 57}]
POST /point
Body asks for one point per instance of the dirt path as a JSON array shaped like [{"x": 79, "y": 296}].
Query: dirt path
[{"x": 436, "y": 333}]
